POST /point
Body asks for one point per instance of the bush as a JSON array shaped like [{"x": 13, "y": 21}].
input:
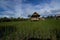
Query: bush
[{"x": 5, "y": 19}]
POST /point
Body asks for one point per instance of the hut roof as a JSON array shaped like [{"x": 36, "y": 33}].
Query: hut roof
[
  {"x": 57, "y": 14},
  {"x": 35, "y": 14}
]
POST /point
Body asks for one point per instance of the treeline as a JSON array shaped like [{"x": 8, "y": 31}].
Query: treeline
[
  {"x": 51, "y": 17},
  {"x": 5, "y": 19}
]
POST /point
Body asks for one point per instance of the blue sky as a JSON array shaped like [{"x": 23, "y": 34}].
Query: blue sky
[{"x": 23, "y": 8}]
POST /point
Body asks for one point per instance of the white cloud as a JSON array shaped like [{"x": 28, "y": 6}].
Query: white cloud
[
  {"x": 42, "y": 9},
  {"x": 23, "y": 10}
]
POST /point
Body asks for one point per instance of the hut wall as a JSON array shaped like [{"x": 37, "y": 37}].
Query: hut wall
[
  {"x": 34, "y": 18},
  {"x": 57, "y": 17}
]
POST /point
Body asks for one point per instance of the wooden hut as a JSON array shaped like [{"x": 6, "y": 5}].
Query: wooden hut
[
  {"x": 35, "y": 16},
  {"x": 57, "y": 16}
]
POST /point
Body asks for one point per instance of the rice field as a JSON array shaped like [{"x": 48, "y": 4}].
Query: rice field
[{"x": 23, "y": 30}]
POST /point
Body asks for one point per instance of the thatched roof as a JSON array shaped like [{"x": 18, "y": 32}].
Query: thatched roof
[
  {"x": 35, "y": 14},
  {"x": 57, "y": 14}
]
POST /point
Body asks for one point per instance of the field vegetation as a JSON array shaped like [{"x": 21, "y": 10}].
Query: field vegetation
[{"x": 23, "y": 29}]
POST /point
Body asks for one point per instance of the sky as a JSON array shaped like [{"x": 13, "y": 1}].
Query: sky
[{"x": 23, "y": 8}]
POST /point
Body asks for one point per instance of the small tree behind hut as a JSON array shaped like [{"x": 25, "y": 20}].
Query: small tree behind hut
[{"x": 35, "y": 16}]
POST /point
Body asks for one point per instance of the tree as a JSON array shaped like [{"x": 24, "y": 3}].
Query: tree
[{"x": 29, "y": 15}]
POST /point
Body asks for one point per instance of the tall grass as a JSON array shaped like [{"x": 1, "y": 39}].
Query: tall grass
[{"x": 34, "y": 29}]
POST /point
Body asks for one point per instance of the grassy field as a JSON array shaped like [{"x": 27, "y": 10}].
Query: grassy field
[{"x": 30, "y": 29}]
